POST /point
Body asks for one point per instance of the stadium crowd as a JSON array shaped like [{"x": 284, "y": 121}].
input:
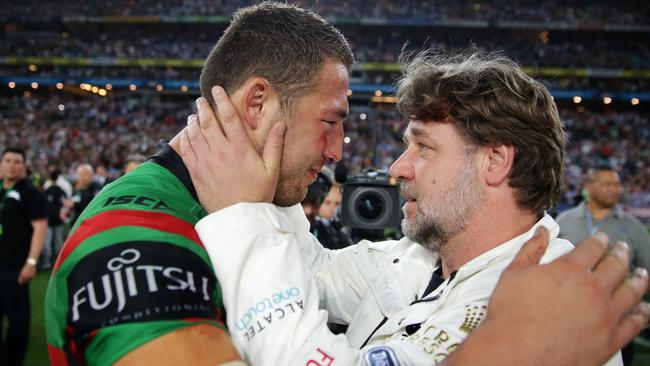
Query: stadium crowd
[
  {"x": 62, "y": 130},
  {"x": 572, "y": 12},
  {"x": 534, "y": 48}
]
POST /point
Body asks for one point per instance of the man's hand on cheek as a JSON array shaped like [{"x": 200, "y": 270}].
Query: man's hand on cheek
[{"x": 223, "y": 163}]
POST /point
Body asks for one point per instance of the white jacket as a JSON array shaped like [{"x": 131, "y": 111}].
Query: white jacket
[{"x": 273, "y": 272}]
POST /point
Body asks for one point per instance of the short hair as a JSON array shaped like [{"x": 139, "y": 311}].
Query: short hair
[
  {"x": 591, "y": 172},
  {"x": 135, "y": 158},
  {"x": 492, "y": 102},
  {"x": 285, "y": 44},
  {"x": 87, "y": 167},
  {"x": 14, "y": 150}
]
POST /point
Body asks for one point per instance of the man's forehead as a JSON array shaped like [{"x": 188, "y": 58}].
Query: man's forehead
[
  {"x": 12, "y": 156},
  {"x": 607, "y": 175},
  {"x": 419, "y": 129}
]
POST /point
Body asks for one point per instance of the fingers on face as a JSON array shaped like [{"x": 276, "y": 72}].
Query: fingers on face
[
  {"x": 226, "y": 113},
  {"x": 207, "y": 119},
  {"x": 196, "y": 138},
  {"x": 273, "y": 148}
]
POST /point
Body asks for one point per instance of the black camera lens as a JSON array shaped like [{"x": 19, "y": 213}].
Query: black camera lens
[{"x": 370, "y": 206}]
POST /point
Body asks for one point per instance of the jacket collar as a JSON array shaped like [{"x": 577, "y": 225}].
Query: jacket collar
[{"x": 170, "y": 160}]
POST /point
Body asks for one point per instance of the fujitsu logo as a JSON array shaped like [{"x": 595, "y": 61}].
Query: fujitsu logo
[{"x": 126, "y": 280}]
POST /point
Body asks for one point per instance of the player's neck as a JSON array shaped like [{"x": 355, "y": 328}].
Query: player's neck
[{"x": 597, "y": 210}]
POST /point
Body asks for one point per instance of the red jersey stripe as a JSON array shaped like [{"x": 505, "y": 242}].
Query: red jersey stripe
[{"x": 116, "y": 218}]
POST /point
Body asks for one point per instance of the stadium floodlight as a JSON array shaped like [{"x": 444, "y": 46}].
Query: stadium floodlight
[
  {"x": 346, "y": 139},
  {"x": 363, "y": 116}
]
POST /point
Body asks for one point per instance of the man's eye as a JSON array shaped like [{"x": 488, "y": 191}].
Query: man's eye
[
  {"x": 329, "y": 122},
  {"x": 422, "y": 147}
]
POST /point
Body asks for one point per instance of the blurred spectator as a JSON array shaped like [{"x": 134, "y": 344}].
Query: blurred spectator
[
  {"x": 331, "y": 203},
  {"x": 85, "y": 190},
  {"x": 23, "y": 226},
  {"x": 314, "y": 198},
  {"x": 133, "y": 161},
  {"x": 601, "y": 212},
  {"x": 327, "y": 225},
  {"x": 60, "y": 181},
  {"x": 54, "y": 197}
]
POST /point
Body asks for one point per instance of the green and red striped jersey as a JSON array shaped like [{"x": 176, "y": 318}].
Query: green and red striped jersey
[{"x": 132, "y": 268}]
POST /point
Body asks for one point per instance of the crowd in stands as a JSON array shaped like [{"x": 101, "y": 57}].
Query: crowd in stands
[
  {"x": 529, "y": 49},
  {"x": 59, "y": 129},
  {"x": 146, "y": 73},
  {"x": 572, "y": 11},
  {"x": 151, "y": 76}
]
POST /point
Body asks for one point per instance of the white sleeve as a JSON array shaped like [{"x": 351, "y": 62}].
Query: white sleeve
[
  {"x": 271, "y": 298},
  {"x": 343, "y": 276}
]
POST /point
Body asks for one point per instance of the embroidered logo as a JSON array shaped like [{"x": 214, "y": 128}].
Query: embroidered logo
[{"x": 474, "y": 315}]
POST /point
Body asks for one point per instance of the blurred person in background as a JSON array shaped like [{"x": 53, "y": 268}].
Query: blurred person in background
[
  {"x": 85, "y": 189},
  {"x": 331, "y": 203},
  {"x": 602, "y": 212},
  {"x": 61, "y": 181},
  {"x": 327, "y": 227},
  {"x": 314, "y": 199},
  {"x": 23, "y": 226},
  {"x": 54, "y": 198},
  {"x": 133, "y": 161}
]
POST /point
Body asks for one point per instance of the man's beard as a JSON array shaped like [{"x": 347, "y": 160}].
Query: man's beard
[
  {"x": 289, "y": 192},
  {"x": 437, "y": 221}
]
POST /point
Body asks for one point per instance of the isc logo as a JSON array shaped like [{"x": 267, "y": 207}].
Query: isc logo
[{"x": 137, "y": 200}]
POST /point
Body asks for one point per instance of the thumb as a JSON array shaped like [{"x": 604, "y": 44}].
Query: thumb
[
  {"x": 532, "y": 250},
  {"x": 272, "y": 154}
]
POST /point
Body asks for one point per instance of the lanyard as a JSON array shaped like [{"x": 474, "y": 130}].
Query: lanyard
[{"x": 591, "y": 228}]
